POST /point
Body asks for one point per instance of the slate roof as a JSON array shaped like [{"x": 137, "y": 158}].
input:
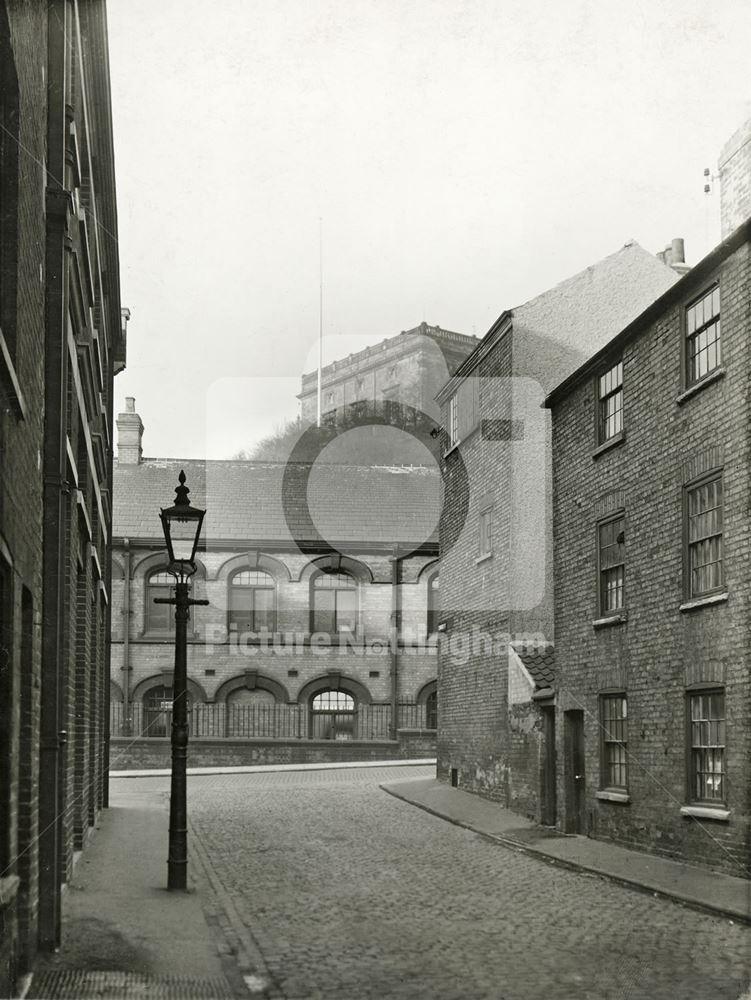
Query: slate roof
[
  {"x": 589, "y": 308},
  {"x": 248, "y": 501},
  {"x": 539, "y": 661}
]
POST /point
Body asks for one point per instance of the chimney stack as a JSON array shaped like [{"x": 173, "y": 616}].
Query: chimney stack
[
  {"x": 674, "y": 256},
  {"x": 129, "y": 434},
  {"x": 735, "y": 180}
]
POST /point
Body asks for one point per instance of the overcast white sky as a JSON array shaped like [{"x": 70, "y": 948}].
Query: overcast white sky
[{"x": 464, "y": 155}]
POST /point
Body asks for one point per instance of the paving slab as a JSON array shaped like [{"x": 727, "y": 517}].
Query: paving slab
[
  {"x": 124, "y": 933},
  {"x": 699, "y": 888}
]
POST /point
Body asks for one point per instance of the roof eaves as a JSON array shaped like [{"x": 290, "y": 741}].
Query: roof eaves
[
  {"x": 677, "y": 291},
  {"x": 498, "y": 330}
]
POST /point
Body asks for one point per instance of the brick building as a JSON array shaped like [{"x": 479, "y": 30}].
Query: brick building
[
  {"x": 652, "y": 545},
  {"x": 321, "y": 580},
  {"x": 496, "y": 720},
  {"x": 409, "y": 368},
  {"x": 61, "y": 341}
]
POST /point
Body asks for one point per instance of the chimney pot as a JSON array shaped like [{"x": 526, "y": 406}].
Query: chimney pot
[{"x": 677, "y": 251}]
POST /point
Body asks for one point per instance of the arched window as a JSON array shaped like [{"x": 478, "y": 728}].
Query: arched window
[
  {"x": 252, "y": 601},
  {"x": 334, "y": 603},
  {"x": 251, "y": 713},
  {"x": 332, "y": 716},
  {"x": 431, "y": 710},
  {"x": 433, "y": 604},
  {"x": 160, "y": 617},
  {"x": 157, "y": 710}
]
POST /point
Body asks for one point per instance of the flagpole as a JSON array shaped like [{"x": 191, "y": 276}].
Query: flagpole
[{"x": 320, "y": 316}]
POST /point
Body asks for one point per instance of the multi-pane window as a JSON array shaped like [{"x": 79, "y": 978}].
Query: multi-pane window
[
  {"x": 704, "y": 526},
  {"x": 332, "y": 716},
  {"x": 611, "y": 558},
  {"x": 610, "y": 389},
  {"x": 614, "y": 723},
  {"x": 334, "y": 597},
  {"x": 160, "y": 617},
  {"x": 703, "y": 336},
  {"x": 453, "y": 421},
  {"x": 486, "y": 532},
  {"x": 252, "y": 602},
  {"x": 433, "y": 604},
  {"x": 707, "y": 746}
]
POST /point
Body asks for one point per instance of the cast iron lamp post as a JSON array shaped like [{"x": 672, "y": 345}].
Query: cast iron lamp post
[{"x": 182, "y": 529}]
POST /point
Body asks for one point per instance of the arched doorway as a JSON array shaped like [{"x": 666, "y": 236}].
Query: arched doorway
[
  {"x": 157, "y": 711},
  {"x": 333, "y": 715},
  {"x": 251, "y": 713}
]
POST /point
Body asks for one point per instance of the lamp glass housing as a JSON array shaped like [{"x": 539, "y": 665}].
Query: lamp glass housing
[{"x": 182, "y": 524}]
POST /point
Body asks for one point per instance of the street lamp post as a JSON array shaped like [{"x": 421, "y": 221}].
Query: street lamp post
[{"x": 182, "y": 528}]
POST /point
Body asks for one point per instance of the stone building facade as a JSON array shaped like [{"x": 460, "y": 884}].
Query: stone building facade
[
  {"x": 496, "y": 731},
  {"x": 409, "y": 368},
  {"x": 321, "y": 579},
  {"x": 653, "y": 599},
  {"x": 61, "y": 342}
]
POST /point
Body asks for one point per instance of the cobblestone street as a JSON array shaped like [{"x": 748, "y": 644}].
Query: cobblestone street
[{"x": 326, "y": 887}]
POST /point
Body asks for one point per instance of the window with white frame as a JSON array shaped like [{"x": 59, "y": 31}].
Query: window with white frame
[
  {"x": 611, "y": 559},
  {"x": 334, "y": 603},
  {"x": 704, "y": 523},
  {"x": 703, "y": 352},
  {"x": 160, "y": 617},
  {"x": 251, "y": 602},
  {"x": 706, "y": 765},
  {"x": 614, "y": 732},
  {"x": 610, "y": 403}
]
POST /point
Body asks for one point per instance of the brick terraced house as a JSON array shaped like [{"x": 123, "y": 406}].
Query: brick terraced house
[
  {"x": 496, "y": 731},
  {"x": 62, "y": 339},
  {"x": 318, "y": 643},
  {"x": 652, "y": 479}
]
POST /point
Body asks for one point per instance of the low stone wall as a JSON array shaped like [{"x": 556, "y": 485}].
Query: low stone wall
[{"x": 143, "y": 754}]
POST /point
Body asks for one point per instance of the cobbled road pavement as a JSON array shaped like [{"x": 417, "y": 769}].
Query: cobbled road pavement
[{"x": 326, "y": 888}]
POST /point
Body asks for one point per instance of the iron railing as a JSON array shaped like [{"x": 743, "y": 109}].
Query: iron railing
[{"x": 280, "y": 722}]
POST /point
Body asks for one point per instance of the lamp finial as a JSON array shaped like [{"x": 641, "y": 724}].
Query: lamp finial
[{"x": 182, "y": 491}]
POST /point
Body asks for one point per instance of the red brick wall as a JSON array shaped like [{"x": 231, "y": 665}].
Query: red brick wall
[
  {"x": 494, "y": 749},
  {"x": 20, "y": 501},
  {"x": 660, "y": 650}
]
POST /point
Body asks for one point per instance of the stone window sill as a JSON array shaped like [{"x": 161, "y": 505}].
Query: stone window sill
[
  {"x": 703, "y": 602},
  {"x": 718, "y": 813},
  {"x": 482, "y": 559},
  {"x": 714, "y": 376},
  {"x": 618, "y": 619},
  {"x": 606, "y": 795},
  {"x": 616, "y": 439}
]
